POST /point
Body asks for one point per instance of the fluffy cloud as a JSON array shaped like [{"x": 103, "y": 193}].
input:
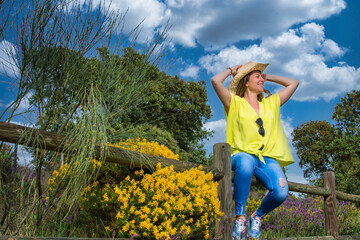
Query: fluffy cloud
[
  {"x": 214, "y": 24},
  {"x": 299, "y": 53},
  {"x": 191, "y": 71},
  {"x": 151, "y": 14},
  {"x": 8, "y": 64},
  {"x": 219, "y": 128}
]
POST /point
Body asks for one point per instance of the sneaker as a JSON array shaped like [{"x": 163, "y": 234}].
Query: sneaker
[
  {"x": 239, "y": 229},
  {"x": 254, "y": 231}
]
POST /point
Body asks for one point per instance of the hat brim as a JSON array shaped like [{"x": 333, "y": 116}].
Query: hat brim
[{"x": 243, "y": 71}]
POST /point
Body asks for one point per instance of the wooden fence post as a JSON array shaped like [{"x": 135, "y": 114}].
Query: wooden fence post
[
  {"x": 330, "y": 205},
  {"x": 222, "y": 161}
]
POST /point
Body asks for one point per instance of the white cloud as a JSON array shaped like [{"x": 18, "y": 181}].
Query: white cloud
[
  {"x": 24, "y": 156},
  {"x": 8, "y": 64},
  {"x": 298, "y": 53},
  {"x": 286, "y": 123},
  {"x": 191, "y": 71},
  {"x": 219, "y": 128},
  {"x": 215, "y": 24},
  {"x": 152, "y": 14},
  {"x": 24, "y": 104}
]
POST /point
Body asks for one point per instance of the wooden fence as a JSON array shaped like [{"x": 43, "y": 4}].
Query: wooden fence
[{"x": 221, "y": 170}]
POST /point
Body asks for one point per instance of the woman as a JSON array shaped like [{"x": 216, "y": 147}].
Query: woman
[{"x": 258, "y": 144}]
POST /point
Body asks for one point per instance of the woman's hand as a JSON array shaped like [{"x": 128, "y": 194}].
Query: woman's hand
[
  {"x": 263, "y": 75},
  {"x": 235, "y": 69}
]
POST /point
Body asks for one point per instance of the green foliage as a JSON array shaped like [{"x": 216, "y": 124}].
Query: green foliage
[
  {"x": 347, "y": 114},
  {"x": 173, "y": 105},
  {"x": 325, "y": 147},
  {"x": 312, "y": 141}
]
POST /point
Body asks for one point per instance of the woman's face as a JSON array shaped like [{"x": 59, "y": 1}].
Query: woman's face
[{"x": 255, "y": 82}]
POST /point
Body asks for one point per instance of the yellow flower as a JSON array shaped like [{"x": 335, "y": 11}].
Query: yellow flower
[
  {"x": 56, "y": 173},
  {"x": 106, "y": 198},
  {"x": 87, "y": 189},
  {"x": 161, "y": 204}
]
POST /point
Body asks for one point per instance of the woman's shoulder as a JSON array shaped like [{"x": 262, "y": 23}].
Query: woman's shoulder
[
  {"x": 272, "y": 101},
  {"x": 272, "y": 98}
]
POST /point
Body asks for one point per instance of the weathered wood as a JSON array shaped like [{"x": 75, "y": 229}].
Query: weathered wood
[
  {"x": 330, "y": 205},
  {"x": 222, "y": 161},
  {"x": 303, "y": 188},
  {"x": 347, "y": 197},
  {"x": 14, "y": 133}
]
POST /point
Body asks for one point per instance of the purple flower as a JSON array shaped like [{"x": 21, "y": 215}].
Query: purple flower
[
  {"x": 133, "y": 236},
  {"x": 69, "y": 220}
]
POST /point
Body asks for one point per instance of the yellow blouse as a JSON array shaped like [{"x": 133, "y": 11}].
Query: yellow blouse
[{"x": 242, "y": 130}]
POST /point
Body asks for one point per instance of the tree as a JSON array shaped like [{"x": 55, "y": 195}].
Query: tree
[
  {"x": 174, "y": 105},
  {"x": 347, "y": 114},
  {"x": 325, "y": 147},
  {"x": 312, "y": 141},
  {"x": 54, "y": 44}
]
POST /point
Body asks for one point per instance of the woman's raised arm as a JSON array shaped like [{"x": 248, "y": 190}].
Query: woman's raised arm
[
  {"x": 290, "y": 85},
  {"x": 217, "y": 83}
]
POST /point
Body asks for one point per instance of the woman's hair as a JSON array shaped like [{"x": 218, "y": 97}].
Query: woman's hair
[{"x": 241, "y": 88}]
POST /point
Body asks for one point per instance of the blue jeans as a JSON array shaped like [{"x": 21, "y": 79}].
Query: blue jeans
[{"x": 246, "y": 165}]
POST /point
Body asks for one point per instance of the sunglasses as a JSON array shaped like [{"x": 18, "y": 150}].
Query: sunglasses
[{"x": 259, "y": 122}]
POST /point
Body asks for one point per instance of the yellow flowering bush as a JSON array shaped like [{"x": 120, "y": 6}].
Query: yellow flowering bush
[
  {"x": 143, "y": 146},
  {"x": 160, "y": 205},
  {"x": 139, "y": 145},
  {"x": 57, "y": 177},
  {"x": 155, "y": 206}
]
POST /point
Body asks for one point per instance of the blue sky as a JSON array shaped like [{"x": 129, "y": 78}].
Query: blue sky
[{"x": 314, "y": 41}]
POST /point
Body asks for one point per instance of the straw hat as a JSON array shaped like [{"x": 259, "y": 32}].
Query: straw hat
[{"x": 243, "y": 71}]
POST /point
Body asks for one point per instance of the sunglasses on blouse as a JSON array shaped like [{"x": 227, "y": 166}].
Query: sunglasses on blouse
[{"x": 259, "y": 122}]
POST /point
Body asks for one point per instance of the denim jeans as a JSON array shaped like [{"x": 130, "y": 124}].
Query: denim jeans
[{"x": 246, "y": 165}]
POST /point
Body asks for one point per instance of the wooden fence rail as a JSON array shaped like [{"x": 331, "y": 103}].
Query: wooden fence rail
[
  {"x": 221, "y": 170},
  {"x": 14, "y": 133}
]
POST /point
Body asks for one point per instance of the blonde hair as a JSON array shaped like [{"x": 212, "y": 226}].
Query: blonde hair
[{"x": 241, "y": 88}]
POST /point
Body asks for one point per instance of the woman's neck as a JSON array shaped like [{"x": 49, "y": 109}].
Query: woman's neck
[{"x": 251, "y": 97}]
